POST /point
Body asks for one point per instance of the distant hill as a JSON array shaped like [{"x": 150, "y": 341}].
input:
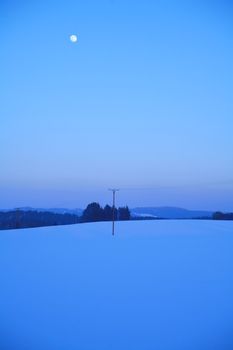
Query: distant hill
[
  {"x": 170, "y": 213},
  {"x": 76, "y": 211}
]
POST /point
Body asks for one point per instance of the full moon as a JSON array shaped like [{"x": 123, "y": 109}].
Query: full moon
[{"x": 73, "y": 38}]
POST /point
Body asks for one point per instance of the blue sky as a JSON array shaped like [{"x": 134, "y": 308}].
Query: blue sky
[{"x": 142, "y": 102}]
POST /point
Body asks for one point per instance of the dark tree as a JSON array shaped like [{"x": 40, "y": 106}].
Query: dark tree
[
  {"x": 123, "y": 213},
  {"x": 222, "y": 216},
  {"x": 107, "y": 213},
  {"x": 218, "y": 215},
  {"x": 93, "y": 212},
  {"x": 116, "y": 214}
]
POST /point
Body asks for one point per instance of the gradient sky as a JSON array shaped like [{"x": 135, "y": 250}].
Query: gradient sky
[{"x": 142, "y": 102}]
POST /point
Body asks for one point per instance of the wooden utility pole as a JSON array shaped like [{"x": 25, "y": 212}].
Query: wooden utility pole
[
  {"x": 114, "y": 190},
  {"x": 17, "y": 218}
]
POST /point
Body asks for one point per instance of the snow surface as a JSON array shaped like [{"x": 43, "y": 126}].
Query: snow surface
[{"x": 161, "y": 285}]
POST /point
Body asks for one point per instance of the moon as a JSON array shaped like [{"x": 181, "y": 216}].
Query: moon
[{"x": 73, "y": 38}]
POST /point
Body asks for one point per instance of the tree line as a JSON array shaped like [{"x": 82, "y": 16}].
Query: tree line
[
  {"x": 14, "y": 219},
  {"x": 222, "y": 216},
  {"x": 94, "y": 212},
  {"x": 17, "y": 218}
]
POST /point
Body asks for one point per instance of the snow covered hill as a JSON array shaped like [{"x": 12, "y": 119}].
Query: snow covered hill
[
  {"x": 165, "y": 285},
  {"x": 170, "y": 212}
]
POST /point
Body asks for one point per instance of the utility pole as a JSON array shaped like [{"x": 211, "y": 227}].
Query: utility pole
[
  {"x": 113, "y": 190},
  {"x": 17, "y": 218}
]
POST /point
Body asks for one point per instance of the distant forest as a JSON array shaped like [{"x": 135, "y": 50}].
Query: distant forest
[
  {"x": 222, "y": 216},
  {"x": 24, "y": 219},
  {"x": 15, "y": 219}
]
